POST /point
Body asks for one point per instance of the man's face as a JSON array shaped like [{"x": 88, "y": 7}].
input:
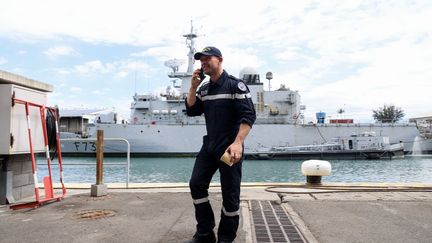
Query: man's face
[{"x": 210, "y": 64}]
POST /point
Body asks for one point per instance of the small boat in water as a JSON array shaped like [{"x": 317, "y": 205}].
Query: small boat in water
[{"x": 366, "y": 145}]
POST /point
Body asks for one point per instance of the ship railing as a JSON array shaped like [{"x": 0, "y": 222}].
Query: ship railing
[{"x": 127, "y": 164}]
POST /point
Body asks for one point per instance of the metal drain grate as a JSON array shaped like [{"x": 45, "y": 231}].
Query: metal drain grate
[
  {"x": 272, "y": 224},
  {"x": 94, "y": 214}
]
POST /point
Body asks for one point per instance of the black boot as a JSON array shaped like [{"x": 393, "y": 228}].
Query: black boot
[{"x": 203, "y": 238}]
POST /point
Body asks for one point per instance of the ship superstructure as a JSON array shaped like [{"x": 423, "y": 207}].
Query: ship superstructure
[{"x": 159, "y": 125}]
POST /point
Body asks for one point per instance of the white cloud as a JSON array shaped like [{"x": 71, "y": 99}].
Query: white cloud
[
  {"x": 399, "y": 72},
  {"x": 75, "y": 89},
  {"x": 90, "y": 67},
  {"x": 358, "y": 53},
  {"x": 120, "y": 69},
  {"x": 61, "y": 71},
  {"x": 122, "y": 74},
  {"x": 22, "y": 52},
  {"x": 56, "y": 51},
  {"x": 236, "y": 59},
  {"x": 163, "y": 52},
  {"x": 3, "y": 60},
  {"x": 98, "y": 92}
]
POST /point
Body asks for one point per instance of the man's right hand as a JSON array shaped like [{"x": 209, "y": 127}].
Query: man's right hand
[{"x": 195, "y": 82}]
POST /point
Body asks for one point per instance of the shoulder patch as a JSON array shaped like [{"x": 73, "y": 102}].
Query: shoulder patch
[
  {"x": 241, "y": 86},
  {"x": 203, "y": 92}
]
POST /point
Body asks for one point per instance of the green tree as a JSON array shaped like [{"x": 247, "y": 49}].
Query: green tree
[{"x": 388, "y": 114}]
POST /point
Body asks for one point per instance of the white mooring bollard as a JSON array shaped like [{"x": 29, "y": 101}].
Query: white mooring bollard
[{"x": 315, "y": 169}]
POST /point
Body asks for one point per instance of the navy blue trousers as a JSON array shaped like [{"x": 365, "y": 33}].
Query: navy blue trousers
[{"x": 206, "y": 164}]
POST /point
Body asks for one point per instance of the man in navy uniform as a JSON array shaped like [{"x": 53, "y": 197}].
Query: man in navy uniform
[{"x": 229, "y": 115}]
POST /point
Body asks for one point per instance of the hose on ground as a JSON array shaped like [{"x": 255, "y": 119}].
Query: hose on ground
[
  {"x": 51, "y": 132},
  {"x": 308, "y": 189}
]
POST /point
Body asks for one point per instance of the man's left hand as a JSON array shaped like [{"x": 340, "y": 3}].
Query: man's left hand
[{"x": 236, "y": 151}]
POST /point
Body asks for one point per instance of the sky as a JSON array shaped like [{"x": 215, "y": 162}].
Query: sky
[{"x": 355, "y": 55}]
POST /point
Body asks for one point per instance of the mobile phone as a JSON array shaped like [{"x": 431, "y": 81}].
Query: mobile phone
[{"x": 201, "y": 74}]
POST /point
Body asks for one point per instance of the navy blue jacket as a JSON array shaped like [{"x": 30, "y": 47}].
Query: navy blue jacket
[{"x": 226, "y": 104}]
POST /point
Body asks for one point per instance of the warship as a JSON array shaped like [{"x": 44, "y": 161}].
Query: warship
[{"x": 159, "y": 126}]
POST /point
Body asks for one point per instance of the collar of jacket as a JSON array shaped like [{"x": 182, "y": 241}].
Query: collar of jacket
[{"x": 221, "y": 79}]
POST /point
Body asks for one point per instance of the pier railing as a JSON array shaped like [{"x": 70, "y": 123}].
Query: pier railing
[{"x": 105, "y": 139}]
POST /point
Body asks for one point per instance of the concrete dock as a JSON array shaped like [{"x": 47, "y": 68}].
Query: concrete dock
[{"x": 165, "y": 214}]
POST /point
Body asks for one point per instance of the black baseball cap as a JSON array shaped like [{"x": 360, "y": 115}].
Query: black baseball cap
[{"x": 208, "y": 51}]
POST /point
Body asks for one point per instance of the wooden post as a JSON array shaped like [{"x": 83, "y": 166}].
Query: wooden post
[
  {"x": 99, "y": 157},
  {"x": 99, "y": 189}
]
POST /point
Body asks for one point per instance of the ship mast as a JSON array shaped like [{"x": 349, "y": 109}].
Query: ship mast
[
  {"x": 190, "y": 43},
  {"x": 185, "y": 77}
]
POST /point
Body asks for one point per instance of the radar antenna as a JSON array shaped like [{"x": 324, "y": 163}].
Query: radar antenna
[
  {"x": 269, "y": 77},
  {"x": 174, "y": 64}
]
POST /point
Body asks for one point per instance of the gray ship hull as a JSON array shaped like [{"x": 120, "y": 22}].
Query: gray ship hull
[{"x": 175, "y": 140}]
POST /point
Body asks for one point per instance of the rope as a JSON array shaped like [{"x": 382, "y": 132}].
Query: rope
[{"x": 320, "y": 133}]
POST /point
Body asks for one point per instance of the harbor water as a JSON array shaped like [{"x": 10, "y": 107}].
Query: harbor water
[{"x": 174, "y": 170}]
